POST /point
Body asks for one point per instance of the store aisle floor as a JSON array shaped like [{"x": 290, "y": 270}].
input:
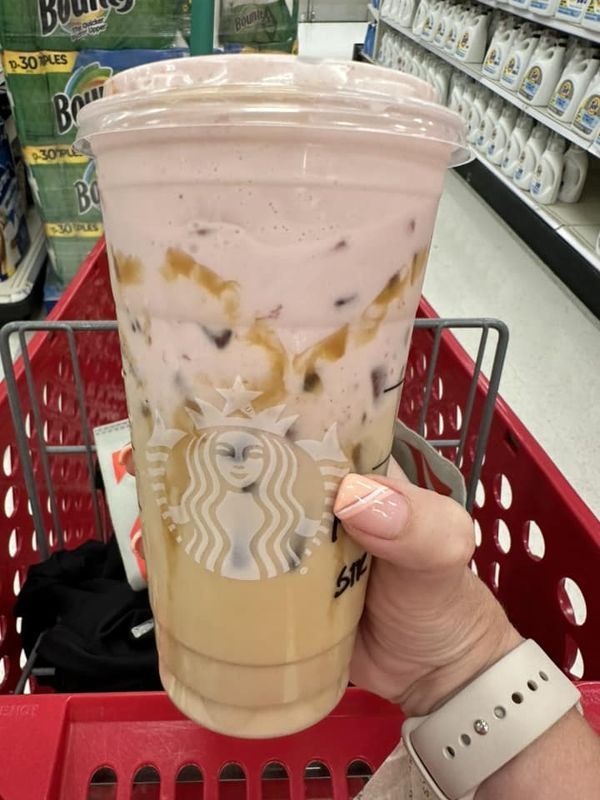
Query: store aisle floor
[{"x": 479, "y": 267}]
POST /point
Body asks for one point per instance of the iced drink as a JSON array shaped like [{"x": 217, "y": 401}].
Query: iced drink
[{"x": 268, "y": 221}]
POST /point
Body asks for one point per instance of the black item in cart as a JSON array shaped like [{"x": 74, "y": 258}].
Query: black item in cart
[{"x": 88, "y": 628}]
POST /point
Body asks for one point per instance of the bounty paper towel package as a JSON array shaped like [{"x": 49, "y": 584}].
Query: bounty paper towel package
[
  {"x": 82, "y": 24},
  {"x": 266, "y": 25}
]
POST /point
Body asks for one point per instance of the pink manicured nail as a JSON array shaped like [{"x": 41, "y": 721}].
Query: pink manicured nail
[
  {"x": 371, "y": 507},
  {"x": 125, "y": 454}
]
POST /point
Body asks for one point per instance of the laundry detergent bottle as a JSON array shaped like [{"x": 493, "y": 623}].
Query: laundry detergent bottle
[
  {"x": 431, "y": 21},
  {"x": 545, "y": 8},
  {"x": 456, "y": 25},
  {"x": 573, "y": 83},
  {"x": 547, "y": 175},
  {"x": 470, "y": 47},
  {"x": 529, "y": 157},
  {"x": 587, "y": 116},
  {"x": 516, "y": 144},
  {"x": 500, "y": 137},
  {"x": 420, "y": 17},
  {"x": 488, "y": 122},
  {"x": 543, "y": 72},
  {"x": 574, "y": 174},
  {"x": 517, "y": 61},
  {"x": 497, "y": 52},
  {"x": 476, "y": 114}
]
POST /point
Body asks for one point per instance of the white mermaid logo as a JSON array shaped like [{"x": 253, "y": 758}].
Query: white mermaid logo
[{"x": 250, "y": 503}]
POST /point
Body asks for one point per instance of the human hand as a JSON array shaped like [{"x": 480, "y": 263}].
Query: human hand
[{"x": 429, "y": 624}]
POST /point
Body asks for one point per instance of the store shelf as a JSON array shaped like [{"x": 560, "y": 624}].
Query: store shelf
[
  {"x": 548, "y": 22},
  {"x": 567, "y": 250},
  {"x": 19, "y": 286},
  {"x": 374, "y": 12},
  {"x": 570, "y": 221},
  {"x": 541, "y": 211},
  {"x": 474, "y": 71}
]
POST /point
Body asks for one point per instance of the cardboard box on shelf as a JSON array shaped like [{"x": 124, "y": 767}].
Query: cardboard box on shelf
[
  {"x": 49, "y": 88},
  {"x": 69, "y": 242},
  {"x": 83, "y": 24},
  {"x": 63, "y": 183}
]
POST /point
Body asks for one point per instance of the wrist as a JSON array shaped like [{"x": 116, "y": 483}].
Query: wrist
[{"x": 435, "y": 688}]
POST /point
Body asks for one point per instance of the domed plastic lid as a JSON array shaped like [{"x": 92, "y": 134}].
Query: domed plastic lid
[{"x": 271, "y": 90}]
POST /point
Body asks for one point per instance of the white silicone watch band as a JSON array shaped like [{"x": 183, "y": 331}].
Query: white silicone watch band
[{"x": 489, "y": 721}]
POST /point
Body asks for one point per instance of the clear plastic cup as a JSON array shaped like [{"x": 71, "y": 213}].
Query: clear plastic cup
[{"x": 268, "y": 221}]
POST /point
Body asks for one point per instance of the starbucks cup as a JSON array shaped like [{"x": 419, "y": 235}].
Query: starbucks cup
[{"x": 267, "y": 221}]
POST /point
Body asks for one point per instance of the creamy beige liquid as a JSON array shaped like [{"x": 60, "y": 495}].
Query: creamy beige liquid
[{"x": 266, "y": 281}]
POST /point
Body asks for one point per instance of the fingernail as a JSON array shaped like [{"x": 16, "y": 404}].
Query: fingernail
[
  {"x": 371, "y": 507},
  {"x": 124, "y": 454}
]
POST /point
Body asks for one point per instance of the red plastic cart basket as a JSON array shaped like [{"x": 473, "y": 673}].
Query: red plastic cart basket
[{"x": 539, "y": 551}]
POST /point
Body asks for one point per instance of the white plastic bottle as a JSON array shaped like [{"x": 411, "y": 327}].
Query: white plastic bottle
[
  {"x": 476, "y": 113},
  {"x": 591, "y": 18},
  {"x": 545, "y": 8},
  {"x": 587, "y": 116},
  {"x": 571, "y": 10},
  {"x": 441, "y": 82},
  {"x": 431, "y": 21},
  {"x": 490, "y": 119},
  {"x": 518, "y": 3},
  {"x": 573, "y": 83},
  {"x": 516, "y": 143},
  {"x": 497, "y": 52},
  {"x": 574, "y": 175},
  {"x": 420, "y": 17},
  {"x": 443, "y": 21},
  {"x": 455, "y": 28},
  {"x": 467, "y": 100},
  {"x": 547, "y": 175},
  {"x": 386, "y": 9},
  {"x": 543, "y": 72},
  {"x": 500, "y": 137},
  {"x": 405, "y": 13},
  {"x": 529, "y": 157},
  {"x": 457, "y": 88},
  {"x": 470, "y": 47},
  {"x": 517, "y": 61}
]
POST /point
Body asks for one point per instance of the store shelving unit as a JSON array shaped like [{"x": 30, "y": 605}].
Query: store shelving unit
[
  {"x": 548, "y": 22},
  {"x": 474, "y": 71},
  {"x": 573, "y": 222},
  {"x": 563, "y": 235},
  {"x": 17, "y": 292}
]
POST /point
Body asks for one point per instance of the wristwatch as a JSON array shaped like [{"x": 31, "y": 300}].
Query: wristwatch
[{"x": 488, "y": 722}]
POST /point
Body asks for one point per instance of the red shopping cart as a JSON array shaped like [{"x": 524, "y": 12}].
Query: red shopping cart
[{"x": 538, "y": 549}]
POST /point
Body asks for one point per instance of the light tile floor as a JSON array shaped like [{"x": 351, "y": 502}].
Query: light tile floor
[{"x": 478, "y": 267}]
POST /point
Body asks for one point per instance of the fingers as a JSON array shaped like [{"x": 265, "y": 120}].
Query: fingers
[
  {"x": 126, "y": 458},
  {"x": 412, "y": 528}
]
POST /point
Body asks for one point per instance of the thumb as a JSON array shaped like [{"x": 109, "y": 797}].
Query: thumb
[{"x": 416, "y": 530}]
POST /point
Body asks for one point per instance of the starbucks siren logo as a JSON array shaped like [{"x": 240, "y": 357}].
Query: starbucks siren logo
[
  {"x": 240, "y": 495},
  {"x": 79, "y": 18},
  {"x": 85, "y": 85},
  {"x": 88, "y": 194}
]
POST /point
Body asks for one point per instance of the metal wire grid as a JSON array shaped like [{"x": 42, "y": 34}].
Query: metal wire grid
[{"x": 87, "y": 448}]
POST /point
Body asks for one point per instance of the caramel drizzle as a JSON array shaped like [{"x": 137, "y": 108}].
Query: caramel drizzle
[
  {"x": 330, "y": 349},
  {"x": 180, "y": 264},
  {"x": 274, "y": 391},
  {"x": 128, "y": 269}
]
